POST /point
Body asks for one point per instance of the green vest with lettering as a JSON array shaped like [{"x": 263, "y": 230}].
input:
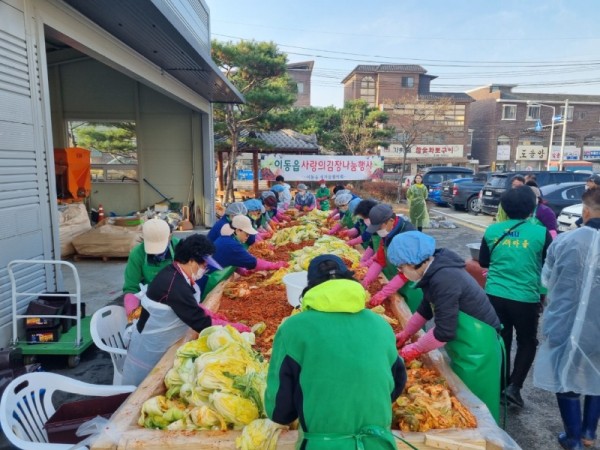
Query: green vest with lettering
[{"x": 516, "y": 262}]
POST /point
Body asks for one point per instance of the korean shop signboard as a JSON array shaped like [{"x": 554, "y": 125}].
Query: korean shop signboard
[
  {"x": 570, "y": 153},
  {"x": 532, "y": 153},
  {"x": 423, "y": 151},
  {"x": 317, "y": 167}
]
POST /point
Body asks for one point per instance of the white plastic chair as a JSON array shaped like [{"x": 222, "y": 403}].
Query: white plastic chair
[
  {"x": 27, "y": 405},
  {"x": 108, "y": 328}
]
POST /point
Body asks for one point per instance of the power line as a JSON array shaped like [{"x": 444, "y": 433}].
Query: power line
[{"x": 420, "y": 38}]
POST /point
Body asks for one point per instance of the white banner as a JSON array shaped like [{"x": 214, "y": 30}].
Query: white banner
[
  {"x": 570, "y": 153},
  {"x": 503, "y": 153},
  {"x": 532, "y": 153},
  {"x": 423, "y": 151},
  {"x": 317, "y": 167},
  {"x": 591, "y": 153}
]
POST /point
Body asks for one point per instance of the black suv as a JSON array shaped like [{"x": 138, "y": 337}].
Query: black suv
[{"x": 500, "y": 182}]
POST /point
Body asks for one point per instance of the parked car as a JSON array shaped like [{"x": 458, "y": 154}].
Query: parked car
[
  {"x": 562, "y": 195},
  {"x": 499, "y": 182},
  {"x": 463, "y": 193},
  {"x": 435, "y": 195},
  {"x": 439, "y": 174},
  {"x": 569, "y": 216}
]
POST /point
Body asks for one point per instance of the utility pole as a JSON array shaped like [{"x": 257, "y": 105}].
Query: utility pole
[{"x": 564, "y": 135}]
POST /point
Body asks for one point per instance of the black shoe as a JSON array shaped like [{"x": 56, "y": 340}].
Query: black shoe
[{"x": 513, "y": 395}]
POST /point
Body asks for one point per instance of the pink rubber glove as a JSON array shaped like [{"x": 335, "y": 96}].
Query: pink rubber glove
[
  {"x": 355, "y": 241},
  {"x": 332, "y": 214},
  {"x": 279, "y": 216},
  {"x": 298, "y": 207},
  {"x": 414, "y": 324},
  {"x": 337, "y": 227},
  {"x": 131, "y": 303},
  {"x": 425, "y": 344},
  {"x": 352, "y": 232},
  {"x": 309, "y": 208},
  {"x": 553, "y": 233},
  {"x": 238, "y": 326},
  {"x": 242, "y": 271},
  {"x": 372, "y": 274},
  {"x": 366, "y": 257},
  {"x": 392, "y": 286},
  {"x": 261, "y": 264},
  {"x": 212, "y": 315}
]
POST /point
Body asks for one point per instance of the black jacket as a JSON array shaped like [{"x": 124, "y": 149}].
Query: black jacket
[{"x": 447, "y": 289}]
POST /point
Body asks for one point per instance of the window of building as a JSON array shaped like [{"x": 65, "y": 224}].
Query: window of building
[
  {"x": 592, "y": 141},
  {"x": 408, "y": 82},
  {"x": 503, "y": 140},
  {"x": 300, "y": 87},
  {"x": 509, "y": 112},
  {"x": 367, "y": 90},
  {"x": 531, "y": 140},
  {"x": 533, "y": 112},
  {"x": 569, "y": 113},
  {"x": 113, "y": 146},
  {"x": 569, "y": 141},
  {"x": 470, "y": 138}
]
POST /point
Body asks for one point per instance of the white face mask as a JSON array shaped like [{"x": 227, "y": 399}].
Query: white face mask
[
  {"x": 199, "y": 273},
  {"x": 383, "y": 232},
  {"x": 367, "y": 221},
  {"x": 323, "y": 186}
]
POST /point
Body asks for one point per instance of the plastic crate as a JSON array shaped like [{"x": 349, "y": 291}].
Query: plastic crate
[
  {"x": 43, "y": 335},
  {"x": 63, "y": 424}
]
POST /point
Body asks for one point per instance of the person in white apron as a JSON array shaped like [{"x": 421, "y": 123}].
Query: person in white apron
[{"x": 170, "y": 307}]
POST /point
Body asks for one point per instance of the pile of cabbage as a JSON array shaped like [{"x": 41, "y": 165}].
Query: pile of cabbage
[
  {"x": 296, "y": 234},
  {"x": 217, "y": 382},
  {"x": 324, "y": 245}
]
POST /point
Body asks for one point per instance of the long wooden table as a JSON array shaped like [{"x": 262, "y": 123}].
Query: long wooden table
[{"x": 123, "y": 432}]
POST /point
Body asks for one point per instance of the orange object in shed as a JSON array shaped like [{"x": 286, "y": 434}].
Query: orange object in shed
[{"x": 73, "y": 176}]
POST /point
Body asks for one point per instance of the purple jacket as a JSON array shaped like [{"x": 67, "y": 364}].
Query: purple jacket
[{"x": 545, "y": 215}]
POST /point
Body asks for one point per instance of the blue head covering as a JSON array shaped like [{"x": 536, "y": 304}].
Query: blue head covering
[
  {"x": 253, "y": 204},
  {"x": 411, "y": 247},
  {"x": 277, "y": 188}
]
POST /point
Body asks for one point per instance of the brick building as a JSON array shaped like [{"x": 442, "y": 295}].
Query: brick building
[
  {"x": 301, "y": 73},
  {"x": 438, "y": 120},
  {"x": 504, "y": 124}
]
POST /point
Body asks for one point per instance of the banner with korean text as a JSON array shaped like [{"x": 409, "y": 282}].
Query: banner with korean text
[
  {"x": 317, "y": 167},
  {"x": 423, "y": 151}
]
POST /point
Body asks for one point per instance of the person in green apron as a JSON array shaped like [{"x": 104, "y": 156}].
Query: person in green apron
[
  {"x": 322, "y": 195},
  {"x": 417, "y": 203},
  {"x": 358, "y": 234},
  {"x": 465, "y": 322},
  {"x": 325, "y": 371},
  {"x": 232, "y": 253}
]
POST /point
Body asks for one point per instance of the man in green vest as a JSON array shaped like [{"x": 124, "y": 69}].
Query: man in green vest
[{"x": 514, "y": 251}]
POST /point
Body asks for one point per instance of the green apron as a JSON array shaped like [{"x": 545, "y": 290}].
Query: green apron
[
  {"x": 476, "y": 359},
  {"x": 346, "y": 220},
  {"x": 215, "y": 278},
  {"x": 413, "y": 296},
  {"x": 364, "y": 435},
  {"x": 362, "y": 227},
  {"x": 375, "y": 242}
]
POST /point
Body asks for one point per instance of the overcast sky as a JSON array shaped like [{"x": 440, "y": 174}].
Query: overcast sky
[{"x": 548, "y": 46}]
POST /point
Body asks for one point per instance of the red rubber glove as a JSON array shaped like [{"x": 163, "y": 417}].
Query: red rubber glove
[
  {"x": 243, "y": 271},
  {"x": 238, "y": 326},
  {"x": 392, "y": 286},
  {"x": 413, "y": 325},
  {"x": 409, "y": 353},
  {"x": 282, "y": 264},
  {"x": 131, "y": 303},
  {"x": 337, "y": 227},
  {"x": 355, "y": 241},
  {"x": 367, "y": 255},
  {"x": 372, "y": 274},
  {"x": 352, "y": 233}
]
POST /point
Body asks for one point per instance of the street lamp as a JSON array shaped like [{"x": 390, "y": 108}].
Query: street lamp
[{"x": 529, "y": 102}]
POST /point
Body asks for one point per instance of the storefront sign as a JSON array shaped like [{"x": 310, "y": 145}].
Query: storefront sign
[
  {"x": 531, "y": 153},
  {"x": 570, "y": 153},
  {"x": 503, "y": 153},
  {"x": 591, "y": 153},
  {"x": 245, "y": 175},
  {"x": 315, "y": 168},
  {"x": 423, "y": 151}
]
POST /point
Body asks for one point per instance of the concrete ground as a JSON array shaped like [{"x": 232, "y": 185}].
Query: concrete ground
[{"x": 534, "y": 427}]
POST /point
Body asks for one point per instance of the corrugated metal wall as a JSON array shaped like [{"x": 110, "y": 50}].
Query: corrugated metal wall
[{"x": 24, "y": 198}]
